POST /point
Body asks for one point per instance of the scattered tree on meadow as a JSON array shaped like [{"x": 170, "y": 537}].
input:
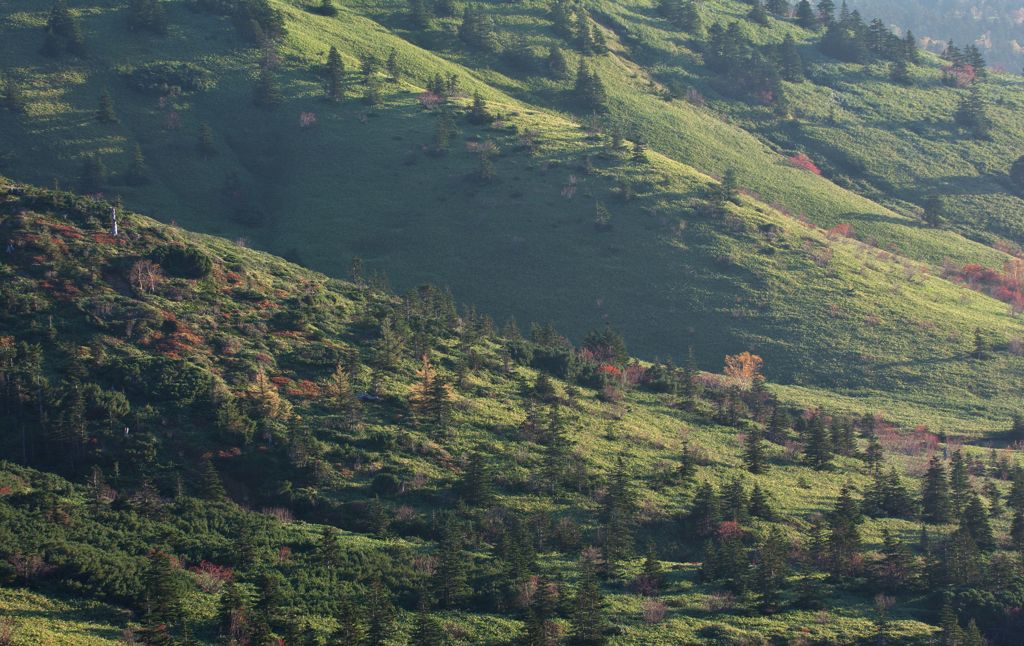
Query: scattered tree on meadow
[
  {"x": 148, "y": 15},
  {"x": 267, "y": 92},
  {"x": 335, "y": 75},
  {"x": 137, "y": 174},
  {"x": 106, "y": 114}
]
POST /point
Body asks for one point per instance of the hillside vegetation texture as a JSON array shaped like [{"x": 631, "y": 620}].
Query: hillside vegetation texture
[{"x": 604, "y": 323}]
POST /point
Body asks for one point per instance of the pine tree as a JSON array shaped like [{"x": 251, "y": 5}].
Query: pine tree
[
  {"x": 244, "y": 547},
  {"x": 981, "y": 345},
  {"x": 380, "y": 615},
  {"x": 734, "y": 501},
  {"x": 444, "y": 130},
  {"x": 161, "y": 590},
  {"x": 94, "y": 173},
  {"x": 640, "y": 153},
  {"x": 14, "y": 100},
  {"x": 350, "y": 624},
  {"x": 754, "y": 458},
  {"x": 210, "y": 487},
  {"x": 106, "y": 112},
  {"x": 439, "y": 399},
  {"x": 687, "y": 466},
  {"x": 148, "y": 15},
  {"x": 588, "y": 620},
  {"x": 818, "y": 450},
  {"x": 267, "y": 92},
  {"x": 792, "y": 66},
  {"x": 420, "y": 13},
  {"x": 844, "y": 536},
  {"x": 475, "y": 487},
  {"x": 758, "y": 14},
  {"x": 652, "y": 568},
  {"x": 392, "y": 66},
  {"x": 618, "y": 510},
  {"x": 372, "y": 95},
  {"x": 426, "y": 630},
  {"x": 935, "y": 507},
  {"x": 231, "y": 606},
  {"x": 589, "y": 90},
  {"x": 327, "y": 8},
  {"x": 137, "y": 175},
  {"x": 910, "y": 51},
  {"x": 269, "y": 607},
  {"x": 959, "y": 483},
  {"x": 995, "y": 507},
  {"x": 335, "y": 75},
  {"x": 557, "y": 448},
  {"x": 778, "y": 7},
  {"x": 557, "y": 64},
  {"x": 770, "y": 571},
  {"x": 1017, "y": 530},
  {"x": 478, "y": 114},
  {"x": 900, "y": 72},
  {"x": 952, "y": 634},
  {"x": 205, "y": 141},
  {"x": 975, "y": 521},
  {"x": 805, "y": 15},
  {"x": 706, "y": 512},
  {"x": 329, "y": 549},
  {"x": 934, "y": 213},
  {"x": 450, "y": 586},
  {"x": 759, "y": 505}
]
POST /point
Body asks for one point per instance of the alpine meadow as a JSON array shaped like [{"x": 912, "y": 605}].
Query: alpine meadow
[{"x": 431, "y": 322}]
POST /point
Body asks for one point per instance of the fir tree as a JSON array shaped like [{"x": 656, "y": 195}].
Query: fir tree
[
  {"x": 426, "y": 630},
  {"x": 589, "y": 90},
  {"x": 652, "y": 568},
  {"x": 106, "y": 112},
  {"x": 588, "y": 620},
  {"x": 335, "y": 75},
  {"x": 420, "y": 13},
  {"x": 148, "y": 15},
  {"x": 444, "y": 131},
  {"x": 372, "y": 94},
  {"x": 805, "y": 15},
  {"x": 778, "y": 7},
  {"x": 687, "y": 466},
  {"x": 981, "y": 346},
  {"x": 935, "y": 508},
  {"x": 910, "y": 51},
  {"x": 380, "y": 615},
  {"x": 231, "y": 606},
  {"x": 818, "y": 450},
  {"x": 392, "y": 66},
  {"x": 770, "y": 571},
  {"x": 475, "y": 487},
  {"x": 959, "y": 483},
  {"x": 329, "y": 549},
  {"x": 162, "y": 592},
  {"x": 94, "y": 173},
  {"x": 734, "y": 501},
  {"x": 327, "y": 8},
  {"x": 792, "y": 66},
  {"x": 844, "y": 536},
  {"x": 1017, "y": 530},
  {"x": 267, "y": 92},
  {"x": 759, "y": 505},
  {"x": 14, "y": 100},
  {"x": 758, "y": 14},
  {"x": 991, "y": 491},
  {"x": 899, "y": 73},
  {"x": 618, "y": 510},
  {"x": 975, "y": 521},
  {"x": 706, "y": 512},
  {"x": 478, "y": 114},
  {"x": 137, "y": 175},
  {"x": 827, "y": 11},
  {"x": 557, "y": 64},
  {"x": 244, "y": 548},
  {"x": 380, "y": 519},
  {"x": 350, "y": 623},
  {"x": 210, "y": 487},
  {"x": 449, "y": 583},
  {"x": 205, "y": 142},
  {"x": 640, "y": 153},
  {"x": 754, "y": 458},
  {"x": 934, "y": 213}
]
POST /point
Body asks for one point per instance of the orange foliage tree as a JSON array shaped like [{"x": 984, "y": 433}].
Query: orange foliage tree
[{"x": 743, "y": 367}]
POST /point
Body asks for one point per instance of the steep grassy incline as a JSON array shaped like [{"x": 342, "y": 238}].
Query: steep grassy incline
[{"x": 662, "y": 269}]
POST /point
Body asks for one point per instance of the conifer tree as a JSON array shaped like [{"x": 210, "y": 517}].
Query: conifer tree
[
  {"x": 770, "y": 571},
  {"x": 687, "y": 466},
  {"x": 420, "y": 13},
  {"x": 380, "y": 615},
  {"x": 706, "y": 512},
  {"x": 935, "y": 507},
  {"x": 754, "y": 458},
  {"x": 910, "y": 51},
  {"x": 231, "y": 607},
  {"x": 439, "y": 399},
  {"x": 959, "y": 483},
  {"x": 335, "y": 75},
  {"x": 557, "y": 448},
  {"x": 372, "y": 95},
  {"x": 329, "y": 549},
  {"x": 805, "y": 15},
  {"x": 981, "y": 345},
  {"x": 1017, "y": 530},
  {"x": 94, "y": 173},
  {"x": 14, "y": 99},
  {"x": 557, "y": 64},
  {"x": 818, "y": 450},
  {"x": 844, "y": 536},
  {"x": 975, "y": 521},
  {"x": 952, "y": 634},
  {"x": 327, "y": 8},
  {"x": 106, "y": 114},
  {"x": 899, "y": 73},
  {"x": 244, "y": 548},
  {"x": 640, "y": 153},
  {"x": 734, "y": 501},
  {"x": 350, "y": 624},
  {"x": 267, "y": 92},
  {"x": 426, "y": 630},
  {"x": 205, "y": 142},
  {"x": 588, "y": 620},
  {"x": 475, "y": 487},
  {"x": 210, "y": 487},
  {"x": 778, "y": 7},
  {"x": 444, "y": 130},
  {"x": 618, "y": 510},
  {"x": 934, "y": 212},
  {"x": 790, "y": 63},
  {"x": 758, "y": 14},
  {"x": 137, "y": 175},
  {"x": 148, "y": 15},
  {"x": 759, "y": 505},
  {"x": 162, "y": 592},
  {"x": 589, "y": 90},
  {"x": 449, "y": 582},
  {"x": 478, "y": 114},
  {"x": 652, "y": 567},
  {"x": 995, "y": 507}
]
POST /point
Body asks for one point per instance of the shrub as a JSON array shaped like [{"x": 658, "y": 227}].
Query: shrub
[
  {"x": 804, "y": 162},
  {"x": 181, "y": 261},
  {"x": 170, "y": 78}
]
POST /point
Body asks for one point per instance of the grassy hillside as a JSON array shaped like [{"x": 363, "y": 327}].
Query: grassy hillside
[
  {"x": 237, "y": 364},
  {"x": 358, "y": 181}
]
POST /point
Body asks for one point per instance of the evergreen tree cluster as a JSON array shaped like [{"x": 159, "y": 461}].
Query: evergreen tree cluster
[{"x": 63, "y": 32}]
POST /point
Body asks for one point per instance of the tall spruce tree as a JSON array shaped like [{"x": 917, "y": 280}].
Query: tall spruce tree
[
  {"x": 380, "y": 613},
  {"x": 14, "y": 99},
  {"x": 475, "y": 486},
  {"x": 770, "y": 571},
  {"x": 959, "y": 483},
  {"x": 805, "y": 15},
  {"x": 935, "y": 506},
  {"x": 790, "y": 64},
  {"x": 137, "y": 173},
  {"x": 449, "y": 580},
  {"x": 618, "y": 510},
  {"x": 335, "y": 75},
  {"x": 975, "y": 521},
  {"x": 426, "y": 630},
  {"x": 844, "y": 536},
  {"x": 267, "y": 92},
  {"x": 818, "y": 449},
  {"x": 106, "y": 113},
  {"x": 754, "y": 456},
  {"x": 588, "y": 620}
]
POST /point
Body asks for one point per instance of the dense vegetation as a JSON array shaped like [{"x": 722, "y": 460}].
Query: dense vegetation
[{"x": 203, "y": 443}]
